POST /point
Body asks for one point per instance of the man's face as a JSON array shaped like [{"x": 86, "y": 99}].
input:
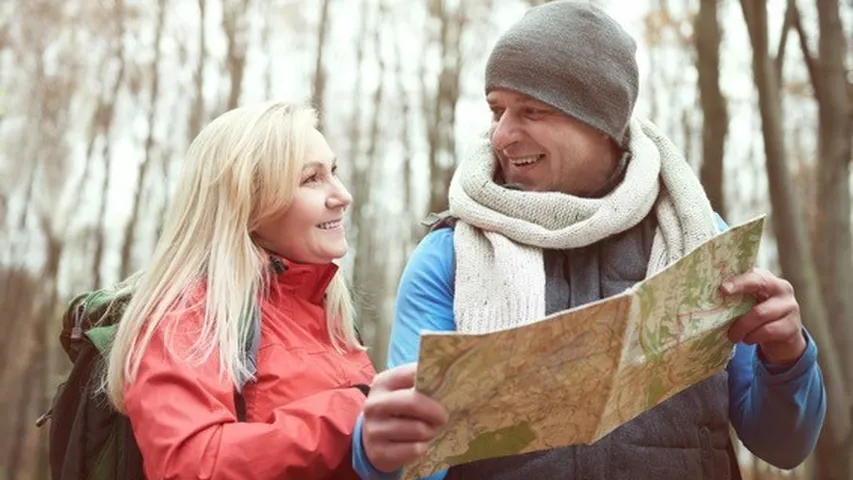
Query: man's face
[{"x": 540, "y": 149}]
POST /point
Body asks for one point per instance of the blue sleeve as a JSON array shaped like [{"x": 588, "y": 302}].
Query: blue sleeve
[
  {"x": 360, "y": 463},
  {"x": 777, "y": 412},
  {"x": 424, "y": 297},
  {"x": 424, "y": 302}
]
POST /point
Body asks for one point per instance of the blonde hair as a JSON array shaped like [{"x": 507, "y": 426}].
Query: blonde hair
[{"x": 241, "y": 169}]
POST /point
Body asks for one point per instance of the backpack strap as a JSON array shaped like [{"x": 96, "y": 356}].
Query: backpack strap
[
  {"x": 252, "y": 345},
  {"x": 250, "y": 355},
  {"x": 240, "y": 405},
  {"x": 365, "y": 389}
]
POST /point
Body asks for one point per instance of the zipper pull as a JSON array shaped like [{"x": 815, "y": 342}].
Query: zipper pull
[
  {"x": 77, "y": 329},
  {"x": 44, "y": 418}
]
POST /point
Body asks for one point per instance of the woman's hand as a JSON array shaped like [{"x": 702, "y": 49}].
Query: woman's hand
[{"x": 399, "y": 422}]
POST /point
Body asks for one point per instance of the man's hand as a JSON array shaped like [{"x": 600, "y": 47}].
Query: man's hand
[
  {"x": 774, "y": 322},
  {"x": 399, "y": 422}
]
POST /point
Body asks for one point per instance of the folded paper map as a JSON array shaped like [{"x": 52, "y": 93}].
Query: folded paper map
[{"x": 577, "y": 375}]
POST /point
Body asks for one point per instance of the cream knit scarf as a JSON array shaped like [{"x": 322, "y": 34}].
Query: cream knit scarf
[{"x": 500, "y": 278}]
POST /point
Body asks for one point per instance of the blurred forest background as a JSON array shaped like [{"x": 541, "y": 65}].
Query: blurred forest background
[{"x": 99, "y": 100}]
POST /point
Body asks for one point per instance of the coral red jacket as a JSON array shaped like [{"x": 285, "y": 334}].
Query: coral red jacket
[{"x": 300, "y": 412}]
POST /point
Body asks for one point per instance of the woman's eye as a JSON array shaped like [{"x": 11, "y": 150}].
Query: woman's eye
[{"x": 311, "y": 179}]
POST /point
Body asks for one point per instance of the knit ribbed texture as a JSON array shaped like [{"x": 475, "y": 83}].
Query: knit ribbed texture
[
  {"x": 500, "y": 277},
  {"x": 574, "y": 57}
]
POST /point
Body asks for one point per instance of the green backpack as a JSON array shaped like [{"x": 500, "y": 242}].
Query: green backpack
[{"x": 89, "y": 439}]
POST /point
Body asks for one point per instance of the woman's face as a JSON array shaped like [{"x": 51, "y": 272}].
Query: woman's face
[{"x": 311, "y": 229}]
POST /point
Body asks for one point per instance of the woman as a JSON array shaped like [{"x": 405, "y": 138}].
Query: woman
[{"x": 242, "y": 307}]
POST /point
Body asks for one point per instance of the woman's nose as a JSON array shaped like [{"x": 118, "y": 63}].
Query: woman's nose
[{"x": 340, "y": 197}]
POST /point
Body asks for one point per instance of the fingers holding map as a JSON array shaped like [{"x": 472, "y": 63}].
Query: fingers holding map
[{"x": 577, "y": 375}]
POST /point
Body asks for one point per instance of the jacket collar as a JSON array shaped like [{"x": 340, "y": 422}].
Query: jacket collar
[{"x": 307, "y": 280}]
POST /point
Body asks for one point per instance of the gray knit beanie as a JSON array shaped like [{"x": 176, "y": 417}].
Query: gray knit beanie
[{"x": 574, "y": 57}]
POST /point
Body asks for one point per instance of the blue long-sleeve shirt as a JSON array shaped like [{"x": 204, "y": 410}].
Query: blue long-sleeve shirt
[{"x": 776, "y": 411}]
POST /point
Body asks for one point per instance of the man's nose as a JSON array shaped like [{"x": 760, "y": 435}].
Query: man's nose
[{"x": 504, "y": 132}]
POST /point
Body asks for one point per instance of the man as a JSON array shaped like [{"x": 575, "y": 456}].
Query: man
[{"x": 572, "y": 200}]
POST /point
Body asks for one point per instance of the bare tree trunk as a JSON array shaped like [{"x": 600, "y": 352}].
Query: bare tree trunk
[
  {"x": 441, "y": 117},
  {"x": 375, "y": 263},
  {"x": 33, "y": 121},
  {"x": 100, "y": 229},
  {"x": 369, "y": 270},
  {"x": 4, "y": 206},
  {"x": 687, "y": 131},
  {"x": 358, "y": 180},
  {"x": 355, "y": 120},
  {"x": 28, "y": 197},
  {"x": 16, "y": 461},
  {"x": 234, "y": 25},
  {"x": 43, "y": 371},
  {"x": 43, "y": 352},
  {"x": 652, "y": 85},
  {"x": 44, "y": 150},
  {"x": 4, "y": 30},
  {"x": 834, "y": 155},
  {"x": 165, "y": 171},
  {"x": 411, "y": 223},
  {"x": 197, "y": 113},
  {"x": 835, "y": 257},
  {"x": 20, "y": 293},
  {"x": 715, "y": 123},
  {"x": 30, "y": 448},
  {"x": 794, "y": 252},
  {"x": 104, "y": 122},
  {"x": 319, "y": 85},
  {"x": 266, "y": 41},
  {"x": 130, "y": 228},
  {"x": 6, "y": 20},
  {"x": 360, "y": 190}
]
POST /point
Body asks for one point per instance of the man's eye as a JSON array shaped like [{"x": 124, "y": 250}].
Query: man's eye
[
  {"x": 536, "y": 112},
  {"x": 496, "y": 113}
]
